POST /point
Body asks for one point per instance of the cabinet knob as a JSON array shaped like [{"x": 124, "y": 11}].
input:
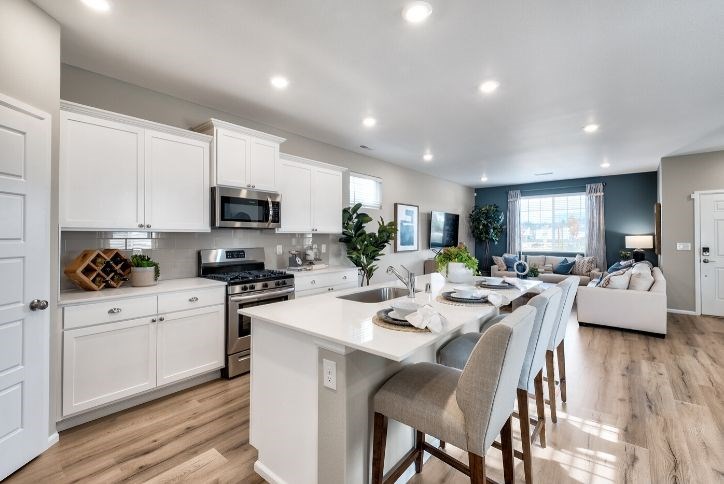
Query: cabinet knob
[
  {"x": 40, "y": 304},
  {"x": 148, "y": 226},
  {"x": 153, "y": 320},
  {"x": 161, "y": 318},
  {"x": 140, "y": 226},
  {"x": 193, "y": 299},
  {"x": 344, "y": 277},
  {"x": 114, "y": 310},
  {"x": 330, "y": 289},
  {"x": 313, "y": 282}
]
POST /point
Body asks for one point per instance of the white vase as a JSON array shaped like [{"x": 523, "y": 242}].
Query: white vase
[
  {"x": 458, "y": 273},
  {"x": 143, "y": 276}
]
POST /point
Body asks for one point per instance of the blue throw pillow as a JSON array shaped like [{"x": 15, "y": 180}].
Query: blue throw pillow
[
  {"x": 564, "y": 267},
  {"x": 510, "y": 261}
]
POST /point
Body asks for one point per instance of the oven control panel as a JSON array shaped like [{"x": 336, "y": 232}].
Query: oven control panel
[{"x": 236, "y": 254}]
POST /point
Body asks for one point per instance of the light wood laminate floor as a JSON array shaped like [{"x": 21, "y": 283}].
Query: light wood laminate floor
[{"x": 640, "y": 410}]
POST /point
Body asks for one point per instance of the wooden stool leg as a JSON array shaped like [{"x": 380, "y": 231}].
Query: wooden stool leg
[
  {"x": 419, "y": 439},
  {"x": 379, "y": 442},
  {"x": 551, "y": 385},
  {"x": 525, "y": 434},
  {"x": 540, "y": 406},
  {"x": 562, "y": 368},
  {"x": 477, "y": 469},
  {"x": 506, "y": 439},
  {"x": 442, "y": 444}
]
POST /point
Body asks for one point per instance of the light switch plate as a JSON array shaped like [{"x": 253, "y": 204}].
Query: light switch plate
[
  {"x": 683, "y": 246},
  {"x": 329, "y": 369}
]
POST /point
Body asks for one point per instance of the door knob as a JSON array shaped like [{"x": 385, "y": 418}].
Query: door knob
[{"x": 36, "y": 304}]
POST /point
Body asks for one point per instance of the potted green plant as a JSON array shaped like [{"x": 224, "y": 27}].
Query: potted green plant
[
  {"x": 144, "y": 271},
  {"x": 486, "y": 226},
  {"x": 457, "y": 263},
  {"x": 533, "y": 271},
  {"x": 624, "y": 254},
  {"x": 364, "y": 248}
]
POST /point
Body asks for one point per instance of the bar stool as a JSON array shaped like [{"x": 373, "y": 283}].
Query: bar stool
[
  {"x": 547, "y": 305},
  {"x": 467, "y": 408}
]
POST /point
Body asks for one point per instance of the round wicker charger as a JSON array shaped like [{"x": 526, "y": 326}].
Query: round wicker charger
[{"x": 397, "y": 327}]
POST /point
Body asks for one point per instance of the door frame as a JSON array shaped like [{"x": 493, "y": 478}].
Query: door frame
[{"x": 697, "y": 241}]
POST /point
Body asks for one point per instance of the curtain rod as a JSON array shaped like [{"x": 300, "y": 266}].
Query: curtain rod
[{"x": 556, "y": 188}]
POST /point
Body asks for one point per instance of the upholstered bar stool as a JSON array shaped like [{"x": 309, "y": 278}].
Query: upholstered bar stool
[
  {"x": 557, "y": 342},
  {"x": 547, "y": 307},
  {"x": 467, "y": 408}
]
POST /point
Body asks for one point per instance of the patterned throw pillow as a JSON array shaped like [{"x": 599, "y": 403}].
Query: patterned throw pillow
[
  {"x": 499, "y": 262},
  {"x": 617, "y": 280},
  {"x": 583, "y": 265}
]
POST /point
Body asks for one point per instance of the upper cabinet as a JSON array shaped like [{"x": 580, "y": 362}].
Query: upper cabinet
[
  {"x": 243, "y": 157},
  {"x": 311, "y": 196},
  {"x": 124, "y": 173}
]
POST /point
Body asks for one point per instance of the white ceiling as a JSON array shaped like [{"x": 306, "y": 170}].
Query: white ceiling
[{"x": 650, "y": 72}]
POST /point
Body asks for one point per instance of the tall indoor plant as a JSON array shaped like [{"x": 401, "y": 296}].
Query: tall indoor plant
[
  {"x": 364, "y": 248},
  {"x": 486, "y": 225}
]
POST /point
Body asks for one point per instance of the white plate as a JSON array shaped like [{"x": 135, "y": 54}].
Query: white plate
[
  {"x": 393, "y": 314},
  {"x": 473, "y": 297}
]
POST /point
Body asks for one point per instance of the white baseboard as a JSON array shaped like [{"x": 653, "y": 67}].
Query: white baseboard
[
  {"x": 682, "y": 311},
  {"x": 267, "y": 474},
  {"x": 53, "y": 439}
]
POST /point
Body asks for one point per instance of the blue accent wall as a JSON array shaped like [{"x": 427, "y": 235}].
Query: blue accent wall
[{"x": 628, "y": 208}]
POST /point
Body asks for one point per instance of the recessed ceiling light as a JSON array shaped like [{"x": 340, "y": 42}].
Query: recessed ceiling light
[
  {"x": 99, "y": 5},
  {"x": 416, "y": 12},
  {"x": 483, "y": 178},
  {"x": 279, "y": 82},
  {"x": 605, "y": 164},
  {"x": 369, "y": 122},
  {"x": 590, "y": 128},
  {"x": 489, "y": 87},
  {"x": 427, "y": 156}
]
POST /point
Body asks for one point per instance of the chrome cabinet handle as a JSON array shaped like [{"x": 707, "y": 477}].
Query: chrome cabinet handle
[
  {"x": 161, "y": 318},
  {"x": 153, "y": 320},
  {"x": 114, "y": 310},
  {"x": 193, "y": 299},
  {"x": 140, "y": 226},
  {"x": 148, "y": 226},
  {"x": 38, "y": 304}
]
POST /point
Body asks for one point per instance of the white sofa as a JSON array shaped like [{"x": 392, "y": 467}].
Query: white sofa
[
  {"x": 625, "y": 308},
  {"x": 545, "y": 264}
]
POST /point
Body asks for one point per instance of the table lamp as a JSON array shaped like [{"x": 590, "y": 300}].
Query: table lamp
[{"x": 639, "y": 243}]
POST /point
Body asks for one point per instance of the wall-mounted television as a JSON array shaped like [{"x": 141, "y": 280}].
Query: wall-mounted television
[{"x": 444, "y": 229}]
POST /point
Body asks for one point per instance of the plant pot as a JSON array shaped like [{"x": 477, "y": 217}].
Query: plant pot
[
  {"x": 143, "y": 276},
  {"x": 458, "y": 273}
]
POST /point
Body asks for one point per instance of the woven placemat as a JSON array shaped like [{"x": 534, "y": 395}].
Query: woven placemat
[
  {"x": 396, "y": 327},
  {"x": 441, "y": 299}
]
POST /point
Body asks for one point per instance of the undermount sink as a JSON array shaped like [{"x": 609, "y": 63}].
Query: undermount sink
[{"x": 377, "y": 295}]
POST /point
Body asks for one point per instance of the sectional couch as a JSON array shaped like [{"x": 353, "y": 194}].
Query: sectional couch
[{"x": 546, "y": 264}]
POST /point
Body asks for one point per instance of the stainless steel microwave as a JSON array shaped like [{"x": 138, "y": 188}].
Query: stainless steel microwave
[{"x": 244, "y": 208}]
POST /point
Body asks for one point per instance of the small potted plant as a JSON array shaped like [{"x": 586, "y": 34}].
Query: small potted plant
[
  {"x": 144, "y": 271},
  {"x": 457, "y": 263}
]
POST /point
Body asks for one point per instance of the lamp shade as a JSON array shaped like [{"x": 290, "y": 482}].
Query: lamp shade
[{"x": 639, "y": 241}]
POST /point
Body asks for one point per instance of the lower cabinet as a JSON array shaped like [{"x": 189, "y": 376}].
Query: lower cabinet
[{"x": 311, "y": 283}]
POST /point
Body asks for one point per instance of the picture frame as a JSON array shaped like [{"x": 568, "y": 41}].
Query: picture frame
[{"x": 407, "y": 221}]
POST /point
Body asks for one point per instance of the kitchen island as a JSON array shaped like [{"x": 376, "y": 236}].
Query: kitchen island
[{"x": 306, "y": 432}]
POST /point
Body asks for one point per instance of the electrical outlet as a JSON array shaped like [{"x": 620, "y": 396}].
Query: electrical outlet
[
  {"x": 280, "y": 249},
  {"x": 330, "y": 373},
  {"x": 324, "y": 248}
]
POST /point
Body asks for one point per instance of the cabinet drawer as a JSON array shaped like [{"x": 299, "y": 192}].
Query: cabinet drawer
[
  {"x": 179, "y": 301},
  {"x": 108, "y": 311},
  {"x": 303, "y": 282}
]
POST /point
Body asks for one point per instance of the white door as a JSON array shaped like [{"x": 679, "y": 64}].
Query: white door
[
  {"x": 295, "y": 185},
  {"x": 232, "y": 158},
  {"x": 24, "y": 283},
  {"x": 190, "y": 343},
  {"x": 327, "y": 201},
  {"x": 263, "y": 164},
  {"x": 107, "y": 362},
  {"x": 711, "y": 251},
  {"x": 101, "y": 173},
  {"x": 177, "y": 183}
]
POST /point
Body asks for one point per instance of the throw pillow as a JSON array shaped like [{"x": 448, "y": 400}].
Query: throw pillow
[
  {"x": 583, "y": 265},
  {"x": 620, "y": 265},
  {"x": 499, "y": 262},
  {"x": 641, "y": 278},
  {"x": 536, "y": 261},
  {"x": 617, "y": 280},
  {"x": 510, "y": 261},
  {"x": 564, "y": 267}
]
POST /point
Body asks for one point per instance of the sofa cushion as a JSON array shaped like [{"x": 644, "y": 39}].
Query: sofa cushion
[
  {"x": 641, "y": 278},
  {"x": 536, "y": 261},
  {"x": 583, "y": 265},
  {"x": 499, "y": 262},
  {"x": 564, "y": 267},
  {"x": 554, "y": 260},
  {"x": 617, "y": 280},
  {"x": 510, "y": 261}
]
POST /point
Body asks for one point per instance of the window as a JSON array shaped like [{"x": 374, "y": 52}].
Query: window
[
  {"x": 366, "y": 190},
  {"x": 553, "y": 223}
]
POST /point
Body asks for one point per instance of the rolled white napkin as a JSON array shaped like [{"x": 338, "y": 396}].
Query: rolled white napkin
[
  {"x": 514, "y": 281},
  {"x": 426, "y": 317},
  {"x": 497, "y": 299}
]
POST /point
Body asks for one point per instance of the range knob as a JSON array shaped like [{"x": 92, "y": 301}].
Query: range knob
[
  {"x": 278, "y": 283},
  {"x": 244, "y": 288},
  {"x": 283, "y": 283},
  {"x": 252, "y": 286},
  {"x": 264, "y": 285}
]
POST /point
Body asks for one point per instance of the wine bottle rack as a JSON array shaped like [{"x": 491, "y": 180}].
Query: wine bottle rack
[{"x": 94, "y": 269}]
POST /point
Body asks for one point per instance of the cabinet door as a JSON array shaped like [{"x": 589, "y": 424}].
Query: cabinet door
[
  {"x": 296, "y": 189},
  {"x": 177, "y": 183},
  {"x": 327, "y": 201},
  {"x": 263, "y": 164},
  {"x": 190, "y": 343},
  {"x": 232, "y": 158},
  {"x": 101, "y": 173},
  {"x": 107, "y": 362}
]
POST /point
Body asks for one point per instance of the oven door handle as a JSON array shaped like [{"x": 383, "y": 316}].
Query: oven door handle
[{"x": 261, "y": 296}]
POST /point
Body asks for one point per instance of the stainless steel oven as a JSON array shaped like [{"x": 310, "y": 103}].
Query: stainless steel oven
[{"x": 244, "y": 208}]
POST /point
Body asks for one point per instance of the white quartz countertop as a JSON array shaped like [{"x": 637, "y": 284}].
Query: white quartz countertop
[
  {"x": 349, "y": 323},
  {"x": 78, "y": 296}
]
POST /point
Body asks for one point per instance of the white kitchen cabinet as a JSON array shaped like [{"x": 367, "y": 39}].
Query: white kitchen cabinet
[
  {"x": 107, "y": 362},
  {"x": 326, "y": 280},
  {"x": 243, "y": 157},
  {"x": 190, "y": 343},
  {"x": 177, "y": 183},
  {"x": 311, "y": 196},
  {"x": 124, "y": 173}
]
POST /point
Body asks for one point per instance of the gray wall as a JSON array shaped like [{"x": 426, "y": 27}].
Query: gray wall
[
  {"x": 30, "y": 72},
  {"x": 680, "y": 177},
  {"x": 399, "y": 184}
]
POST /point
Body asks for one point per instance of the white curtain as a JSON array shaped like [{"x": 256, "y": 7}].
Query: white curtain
[
  {"x": 514, "y": 221},
  {"x": 596, "y": 244}
]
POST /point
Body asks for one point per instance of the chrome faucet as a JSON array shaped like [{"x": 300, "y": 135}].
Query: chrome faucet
[{"x": 409, "y": 282}]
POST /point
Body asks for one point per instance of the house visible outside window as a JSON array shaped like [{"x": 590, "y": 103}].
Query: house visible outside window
[
  {"x": 366, "y": 190},
  {"x": 555, "y": 223}
]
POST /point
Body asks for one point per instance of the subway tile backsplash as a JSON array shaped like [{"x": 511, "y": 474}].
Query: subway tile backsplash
[{"x": 177, "y": 253}]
